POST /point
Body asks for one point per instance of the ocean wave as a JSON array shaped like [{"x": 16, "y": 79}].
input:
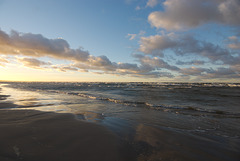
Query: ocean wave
[
  {"x": 189, "y": 110},
  {"x": 149, "y": 94}
]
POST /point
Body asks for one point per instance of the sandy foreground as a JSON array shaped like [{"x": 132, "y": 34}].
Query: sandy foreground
[{"x": 31, "y": 135}]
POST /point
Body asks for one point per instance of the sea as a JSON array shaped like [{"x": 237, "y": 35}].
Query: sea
[{"x": 160, "y": 121}]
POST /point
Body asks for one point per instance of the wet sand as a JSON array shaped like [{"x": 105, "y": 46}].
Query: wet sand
[{"x": 30, "y": 135}]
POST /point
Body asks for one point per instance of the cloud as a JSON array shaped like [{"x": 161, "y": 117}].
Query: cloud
[
  {"x": 230, "y": 12},
  {"x": 193, "y": 62},
  {"x": 4, "y": 38},
  {"x": 29, "y": 48},
  {"x": 236, "y": 68},
  {"x": 193, "y": 71},
  {"x": 185, "y": 14},
  {"x": 187, "y": 45},
  {"x": 155, "y": 63},
  {"x": 155, "y": 75},
  {"x": 137, "y": 8},
  {"x": 234, "y": 42},
  {"x": 33, "y": 46},
  {"x": 32, "y": 62},
  {"x": 3, "y": 61},
  {"x": 156, "y": 43},
  {"x": 205, "y": 73},
  {"x": 134, "y": 69},
  {"x": 101, "y": 61},
  {"x": 134, "y": 36},
  {"x": 144, "y": 70},
  {"x": 152, "y": 3},
  {"x": 127, "y": 67},
  {"x": 131, "y": 36},
  {"x": 64, "y": 68},
  {"x": 147, "y": 68},
  {"x": 36, "y": 45},
  {"x": 221, "y": 73}
]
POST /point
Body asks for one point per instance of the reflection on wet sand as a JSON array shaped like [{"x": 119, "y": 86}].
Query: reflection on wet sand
[
  {"x": 90, "y": 116},
  {"x": 32, "y": 135},
  {"x": 170, "y": 137},
  {"x": 4, "y": 97},
  {"x": 162, "y": 144}
]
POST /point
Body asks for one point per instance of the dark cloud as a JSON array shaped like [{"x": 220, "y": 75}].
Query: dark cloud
[
  {"x": 142, "y": 70},
  {"x": 205, "y": 73},
  {"x": 154, "y": 63},
  {"x": 221, "y": 73},
  {"x": 193, "y": 71},
  {"x": 193, "y": 62},
  {"x": 236, "y": 68}
]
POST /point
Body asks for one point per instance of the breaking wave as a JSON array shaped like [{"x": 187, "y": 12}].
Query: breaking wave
[{"x": 165, "y": 108}]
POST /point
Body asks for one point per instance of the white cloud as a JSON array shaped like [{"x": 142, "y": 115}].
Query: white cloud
[
  {"x": 131, "y": 36},
  {"x": 138, "y": 8},
  {"x": 152, "y": 3},
  {"x": 135, "y": 36},
  {"x": 184, "y": 14}
]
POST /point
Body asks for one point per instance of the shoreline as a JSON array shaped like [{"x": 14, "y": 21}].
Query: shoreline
[
  {"x": 32, "y": 135},
  {"x": 29, "y": 134}
]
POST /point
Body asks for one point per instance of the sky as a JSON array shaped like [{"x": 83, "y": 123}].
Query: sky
[{"x": 120, "y": 40}]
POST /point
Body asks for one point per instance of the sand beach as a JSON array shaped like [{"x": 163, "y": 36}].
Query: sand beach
[
  {"x": 62, "y": 126},
  {"x": 31, "y": 135}
]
